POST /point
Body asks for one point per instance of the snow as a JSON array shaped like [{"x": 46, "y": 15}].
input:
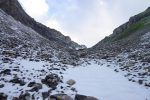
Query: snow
[
  {"x": 106, "y": 84},
  {"x": 92, "y": 79}
]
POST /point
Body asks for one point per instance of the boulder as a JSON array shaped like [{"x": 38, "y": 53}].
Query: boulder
[
  {"x": 83, "y": 97},
  {"x": 51, "y": 80},
  {"x": 31, "y": 84},
  {"x": 36, "y": 87},
  {"x": 6, "y": 72},
  {"x": 60, "y": 97},
  {"x": 45, "y": 95},
  {"x": 3, "y": 96},
  {"x": 18, "y": 81},
  {"x": 25, "y": 96},
  {"x": 2, "y": 85},
  {"x": 71, "y": 82}
]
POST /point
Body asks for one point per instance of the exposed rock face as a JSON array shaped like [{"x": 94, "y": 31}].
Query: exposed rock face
[
  {"x": 131, "y": 21},
  {"x": 13, "y": 8}
]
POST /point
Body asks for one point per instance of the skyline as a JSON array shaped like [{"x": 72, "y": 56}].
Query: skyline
[{"x": 86, "y": 22}]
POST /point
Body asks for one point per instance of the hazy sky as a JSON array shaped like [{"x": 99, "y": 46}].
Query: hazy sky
[{"x": 85, "y": 21}]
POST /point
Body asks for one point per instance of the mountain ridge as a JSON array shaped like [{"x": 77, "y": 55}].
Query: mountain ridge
[{"x": 13, "y": 8}]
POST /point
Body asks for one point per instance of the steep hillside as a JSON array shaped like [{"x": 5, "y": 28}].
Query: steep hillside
[
  {"x": 129, "y": 47},
  {"x": 125, "y": 37},
  {"x": 14, "y": 9}
]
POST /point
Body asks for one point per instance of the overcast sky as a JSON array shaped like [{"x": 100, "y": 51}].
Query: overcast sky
[{"x": 85, "y": 21}]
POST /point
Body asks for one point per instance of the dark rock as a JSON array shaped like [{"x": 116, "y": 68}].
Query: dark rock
[
  {"x": 3, "y": 96},
  {"x": 83, "y": 97},
  {"x": 60, "y": 97},
  {"x": 6, "y": 72},
  {"x": 36, "y": 87},
  {"x": 80, "y": 97},
  {"x": 31, "y": 84},
  {"x": 140, "y": 81},
  {"x": 147, "y": 84},
  {"x": 25, "y": 96},
  {"x": 2, "y": 85},
  {"x": 51, "y": 80},
  {"x": 18, "y": 81},
  {"x": 6, "y": 60},
  {"x": 15, "y": 98},
  {"x": 45, "y": 95}
]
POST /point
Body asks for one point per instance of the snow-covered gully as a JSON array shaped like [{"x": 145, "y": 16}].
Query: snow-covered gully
[{"x": 104, "y": 83}]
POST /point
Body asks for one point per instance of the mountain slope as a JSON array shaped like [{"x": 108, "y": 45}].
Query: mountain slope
[
  {"x": 129, "y": 47},
  {"x": 125, "y": 37},
  {"x": 14, "y": 9}
]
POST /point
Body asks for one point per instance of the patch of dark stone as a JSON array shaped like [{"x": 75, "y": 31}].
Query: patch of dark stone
[
  {"x": 35, "y": 86},
  {"x": 25, "y": 96},
  {"x": 83, "y": 97},
  {"x": 2, "y": 85},
  {"x": 18, "y": 81},
  {"x": 51, "y": 80},
  {"x": 140, "y": 82},
  {"x": 6, "y": 60},
  {"x": 6, "y": 72},
  {"x": 45, "y": 95},
  {"x": 3, "y": 96}
]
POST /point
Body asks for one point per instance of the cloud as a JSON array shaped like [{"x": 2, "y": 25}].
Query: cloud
[
  {"x": 35, "y": 8},
  {"x": 54, "y": 24},
  {"x": 85, "y": 21}
]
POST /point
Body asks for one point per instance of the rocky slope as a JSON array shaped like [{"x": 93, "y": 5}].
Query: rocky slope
[
  {"x": 125, "y": 37},
  {"x": 14, "y": 9},
  {"x": 129, "y": 46},
  {"x": 33, "y": 57}
]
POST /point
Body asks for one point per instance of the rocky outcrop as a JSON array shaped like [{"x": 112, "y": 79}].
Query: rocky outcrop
[
  {"x": 132, "y": 21},
  {"x": 14, "y": 9}
]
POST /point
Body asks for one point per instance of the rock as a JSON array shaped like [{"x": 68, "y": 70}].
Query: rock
[
  {"x": 25, "y": 96},
  {"x": 45, "y": 95},
  {"x": 2, "y": 85},
  {"x": 60, "y": 97},
  {"x": 31, "y": 84},
  {"x": 36, "y": 87},
  {"x": 6, "y": 60},
  {"x": 3, "y": 96},
  {"x": 15, "y": 98},
  {"x": 6, "y": 72},
  {"x": 90, "y": 98},
  {"x": 83, "y": 97},
  {"x": 18, "y": 81},
  {"x": 80, "y": 97},
  {"x": 71, "y": 82},
  {"x": 51, "y": 80},
  {"x": 140, "y": 81}
]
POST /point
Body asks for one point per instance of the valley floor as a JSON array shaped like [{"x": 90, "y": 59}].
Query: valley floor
[
  {"x": 96, "y": 79},
  {"x": 106, "y": 84}
]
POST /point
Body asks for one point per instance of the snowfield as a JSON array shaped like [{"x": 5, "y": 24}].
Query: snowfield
[
  {"x": 104, "y": 83},
  {"x": 96, "y": 79}
]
